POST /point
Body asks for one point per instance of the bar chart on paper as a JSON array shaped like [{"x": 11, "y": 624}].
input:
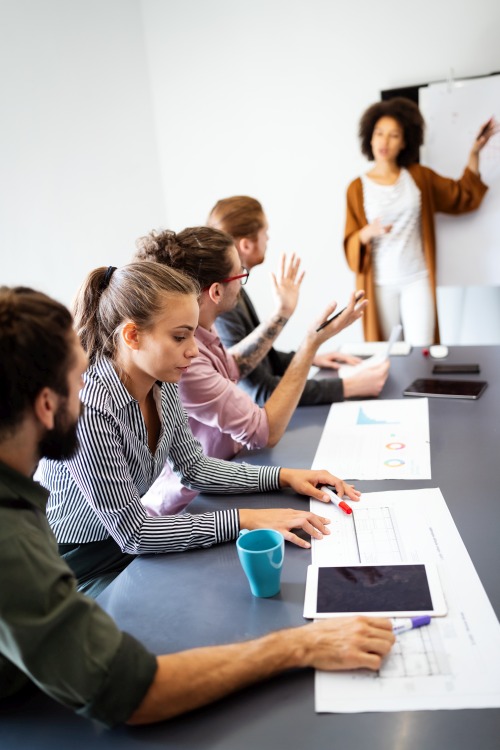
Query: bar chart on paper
[{"x": 376, "y": 440}]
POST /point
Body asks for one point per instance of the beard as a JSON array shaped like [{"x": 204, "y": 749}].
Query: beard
[{"x": 61, "y": 441}]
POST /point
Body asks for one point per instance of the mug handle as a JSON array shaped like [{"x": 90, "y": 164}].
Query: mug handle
[{"x": 243, "y": 531}]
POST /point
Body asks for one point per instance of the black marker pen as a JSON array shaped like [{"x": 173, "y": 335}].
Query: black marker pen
[{"x": 359, "y": 296}]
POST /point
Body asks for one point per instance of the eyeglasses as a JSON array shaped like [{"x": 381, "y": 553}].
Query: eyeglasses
[{"x": 243, "y": 276}]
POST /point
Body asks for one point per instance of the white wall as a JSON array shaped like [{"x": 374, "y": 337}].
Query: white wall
[
  {"x": 79, "y": 174},
  {"x": 264, "y": 98},
  {"x": 122, "y": 115}
]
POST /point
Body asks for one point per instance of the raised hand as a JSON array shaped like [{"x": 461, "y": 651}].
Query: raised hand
[
  {"x": 352, "y": 312},
  {"x": 489, "y": 128},
  {"x": 287, "y": 285}
]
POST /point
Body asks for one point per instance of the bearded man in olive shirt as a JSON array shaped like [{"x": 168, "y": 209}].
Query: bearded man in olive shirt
[{"x": 61, "y": 640}]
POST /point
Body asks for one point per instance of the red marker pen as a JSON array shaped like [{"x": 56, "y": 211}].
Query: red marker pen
[{"x": 332, "y": 493}]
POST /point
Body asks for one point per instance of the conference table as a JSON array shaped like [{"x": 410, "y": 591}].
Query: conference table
[{"x": 201, "y": 597}]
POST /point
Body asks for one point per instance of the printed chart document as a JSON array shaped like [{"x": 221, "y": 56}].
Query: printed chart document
[
  {"x": 376, "y": 440},
  {"x": 452, "y": 663}
]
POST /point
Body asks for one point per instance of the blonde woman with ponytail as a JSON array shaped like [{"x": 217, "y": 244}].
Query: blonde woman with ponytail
[{"x": 136, "y": 325}]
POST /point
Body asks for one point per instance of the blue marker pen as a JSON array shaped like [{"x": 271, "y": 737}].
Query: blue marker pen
[{"x": 402, "y": 625}]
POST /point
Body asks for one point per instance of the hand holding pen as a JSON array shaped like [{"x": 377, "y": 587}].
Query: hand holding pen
[
  {"x": 489, "y": 128},
  {"x": 404, "y": 624},
  {"x": 353, "y": 312},
  {"x": 330, "y": 490}
]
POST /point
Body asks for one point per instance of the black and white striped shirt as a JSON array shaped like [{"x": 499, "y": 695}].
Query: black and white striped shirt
[{"x": 97, "y": 493}]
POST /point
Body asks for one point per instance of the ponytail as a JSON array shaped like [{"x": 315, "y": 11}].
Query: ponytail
[{"x": 109, "y": 297}]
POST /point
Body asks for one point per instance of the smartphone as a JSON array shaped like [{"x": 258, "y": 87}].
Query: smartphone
[{"x": 458, "y": 369}]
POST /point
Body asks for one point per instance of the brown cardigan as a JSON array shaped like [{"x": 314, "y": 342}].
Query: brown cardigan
[{"x": 438, "y": 194}]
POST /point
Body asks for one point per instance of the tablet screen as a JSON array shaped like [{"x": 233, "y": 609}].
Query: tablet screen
[
  {"x": 446, "y": 388},
  {"x": 373, "y": 588}
]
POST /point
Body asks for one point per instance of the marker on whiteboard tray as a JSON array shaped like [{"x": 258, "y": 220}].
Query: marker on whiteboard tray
[
  {"x": 330, "y": 490},
  {"x": 404, "y": 624}
]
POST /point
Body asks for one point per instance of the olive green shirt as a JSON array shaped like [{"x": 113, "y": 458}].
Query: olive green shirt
[{"x": 49, "y": 633}]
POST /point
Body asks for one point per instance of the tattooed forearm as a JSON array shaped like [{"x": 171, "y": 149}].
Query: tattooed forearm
[{"x": 254, "y": 347}]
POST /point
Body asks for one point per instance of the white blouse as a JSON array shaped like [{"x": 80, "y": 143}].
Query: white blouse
[{"x": 398, "y": 255}]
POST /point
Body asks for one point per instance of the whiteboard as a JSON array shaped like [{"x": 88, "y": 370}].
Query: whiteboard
[{"x": 468, "y": 245}]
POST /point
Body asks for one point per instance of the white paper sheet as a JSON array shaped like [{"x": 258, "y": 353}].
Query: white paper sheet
[
  {"x": 347, "y": 371},
  {"x": 367, "y": 348},
  {"x": 452, "y": 663},
  {"x": 376, "y": 440}
]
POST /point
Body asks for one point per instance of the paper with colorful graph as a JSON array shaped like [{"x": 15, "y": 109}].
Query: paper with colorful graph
[{"x": 376, "y": 440}]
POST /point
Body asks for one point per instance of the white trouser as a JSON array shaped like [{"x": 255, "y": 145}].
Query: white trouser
[{"x": 410, "y": 305}]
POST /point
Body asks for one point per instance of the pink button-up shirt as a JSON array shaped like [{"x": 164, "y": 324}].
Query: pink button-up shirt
[{"x": 222, "y": 416}]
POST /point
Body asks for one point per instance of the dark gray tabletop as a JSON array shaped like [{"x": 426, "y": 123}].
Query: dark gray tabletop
[{"x": 178, "y": 601}]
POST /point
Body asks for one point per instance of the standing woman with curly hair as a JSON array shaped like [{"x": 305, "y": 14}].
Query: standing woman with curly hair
[{"x": 389, "y": 238}]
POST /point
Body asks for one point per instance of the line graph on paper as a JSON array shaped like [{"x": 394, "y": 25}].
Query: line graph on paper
[
  {"x": 417, "y": 653},
  {"x": 368, "y": 536},
  {"x": 376, "y": 537}
]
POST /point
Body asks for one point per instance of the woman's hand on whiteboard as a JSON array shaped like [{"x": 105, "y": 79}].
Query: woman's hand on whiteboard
[
  {"x": 373, "y": 230},
  {"x": 489, "y": 128},
  {"x": 484, "y": 135}
]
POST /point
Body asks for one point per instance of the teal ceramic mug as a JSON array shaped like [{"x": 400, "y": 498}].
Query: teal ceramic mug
[{"x": 261, "y": 554}]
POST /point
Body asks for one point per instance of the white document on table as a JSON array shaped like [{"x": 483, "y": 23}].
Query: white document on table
[
  {"x": 369, "y": 348},
  {"x": 452, "y": 663},
  {"x": 376, "y": 440},
  {"x": 348, "y": 371}
]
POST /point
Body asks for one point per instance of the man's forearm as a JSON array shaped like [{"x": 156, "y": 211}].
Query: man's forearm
[
  {"x": 284, "y": 400},
  {"x": 253, "y": 348},
  {"x": 191, "y": 679}
]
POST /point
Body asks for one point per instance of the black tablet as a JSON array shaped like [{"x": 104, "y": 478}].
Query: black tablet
[
  {"x": 403, "y": 590},
  {"x": 440, "y": 388}
]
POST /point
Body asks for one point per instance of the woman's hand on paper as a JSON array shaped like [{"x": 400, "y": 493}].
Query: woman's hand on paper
[
  {"x": 284, "y": 520},
  {"x": 307, "y": 481}
]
